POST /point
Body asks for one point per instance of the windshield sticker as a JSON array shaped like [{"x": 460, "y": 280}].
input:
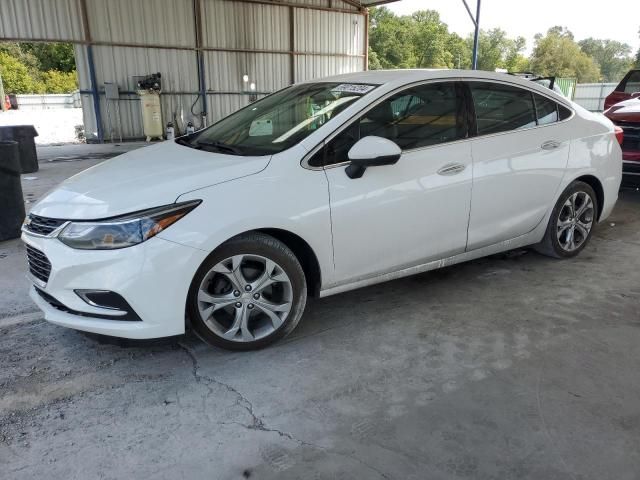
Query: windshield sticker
[
  {"x": 261, "y": 128},
  {"x": 353, "y": 88}
]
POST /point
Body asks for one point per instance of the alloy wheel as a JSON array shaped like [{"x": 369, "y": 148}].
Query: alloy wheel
[
  {"x": 575, "y": 221},
  {"x": 245, "y": 298}
]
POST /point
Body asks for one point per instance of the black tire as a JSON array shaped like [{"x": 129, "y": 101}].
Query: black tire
[
  {"x": 550, "y": 244},
  {"x": 260, "y": 244}
]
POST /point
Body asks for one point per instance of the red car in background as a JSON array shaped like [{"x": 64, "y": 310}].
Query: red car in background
[
  {"x": 628, "y": 88},
  {"x": 626, "y": 115}
]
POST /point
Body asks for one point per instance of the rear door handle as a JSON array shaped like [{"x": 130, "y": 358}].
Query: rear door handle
[
  {"x": 550, "y": 145},
  {"x": 452, "y": 169}
]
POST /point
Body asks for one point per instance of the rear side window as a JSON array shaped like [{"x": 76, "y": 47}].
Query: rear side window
[
  {"x": 546, "y": 109},
  {"x": 564, "y": 112},
  {"x": 632, "y": 83},
  {"x": 500, "y": 108}
]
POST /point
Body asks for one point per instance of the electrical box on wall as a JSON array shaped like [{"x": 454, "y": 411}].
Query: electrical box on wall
[{"x": 111, "y": 91}]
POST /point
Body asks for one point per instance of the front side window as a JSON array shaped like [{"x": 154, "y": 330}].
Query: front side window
[
  {"x": 500, "y": 108},
  {"x": 279, "y": 121},
  {"x": 632, "y": 84},
  {"x": 418, "y": 117}
]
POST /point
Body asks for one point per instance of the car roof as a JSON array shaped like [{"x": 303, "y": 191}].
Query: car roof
[{"x": 400, "y": 77}]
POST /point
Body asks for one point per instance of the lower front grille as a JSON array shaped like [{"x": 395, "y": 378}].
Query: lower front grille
[
  {"x": 129, "y": 316},
  {"x": 39, "y": 264}
]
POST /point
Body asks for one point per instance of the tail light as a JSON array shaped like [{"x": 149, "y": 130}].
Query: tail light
[{"x": 619, "y": 134}]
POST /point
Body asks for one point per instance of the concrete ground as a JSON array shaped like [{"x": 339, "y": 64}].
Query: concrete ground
[{"x": 510, "y": 367}]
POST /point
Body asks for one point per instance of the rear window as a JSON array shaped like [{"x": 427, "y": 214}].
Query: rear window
[
  {"x": 500, "y": 108},
  {"x": 632, "y": 83}
]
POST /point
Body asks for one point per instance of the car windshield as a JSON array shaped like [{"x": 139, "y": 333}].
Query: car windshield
[{"x": 278, "y": 121}]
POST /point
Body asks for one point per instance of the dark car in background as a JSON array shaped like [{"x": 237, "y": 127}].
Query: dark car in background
[
  {"x": 626, "y": 115},
  {"x": 628, "y": 88}
]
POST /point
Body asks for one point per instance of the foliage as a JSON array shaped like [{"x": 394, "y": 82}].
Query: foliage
[
  {"x": 56, "y": 81},
  {"x": 558, "y": 54},
  {"x": 637, "y": 62},
  {"x": 612, "y": 57},
  {"x": 422, "y": 40},
  {"x": 16, "y": 76},
  {"x": 37, "y": 68},
  {"x": 496, "y": 50}
]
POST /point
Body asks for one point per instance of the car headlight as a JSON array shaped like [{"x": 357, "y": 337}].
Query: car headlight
[{"x": 123, "y": 231}]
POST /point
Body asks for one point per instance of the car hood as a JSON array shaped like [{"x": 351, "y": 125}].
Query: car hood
[
  {"x": 143, "y": 178},
  {"x": 626, "y": 111}
]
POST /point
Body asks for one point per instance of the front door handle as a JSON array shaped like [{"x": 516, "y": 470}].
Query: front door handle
[
  {"x": 452, "y": 169},
  {"x": 550, "y": 145}
]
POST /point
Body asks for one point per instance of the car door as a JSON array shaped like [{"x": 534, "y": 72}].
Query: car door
[
  {"x": 416, "y": 210},
  {"x": 519, "y": 159}
]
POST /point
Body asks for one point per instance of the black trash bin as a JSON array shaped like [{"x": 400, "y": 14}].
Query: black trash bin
[
  {"x": 11, "y": 200},
  {"x": 25, "y": 136}
]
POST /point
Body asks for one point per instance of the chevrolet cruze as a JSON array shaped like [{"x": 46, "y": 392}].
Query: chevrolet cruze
[{"x": 317, "y": 189}]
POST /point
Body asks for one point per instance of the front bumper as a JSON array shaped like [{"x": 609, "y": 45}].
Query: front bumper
[{"x": 153, "y": 277}]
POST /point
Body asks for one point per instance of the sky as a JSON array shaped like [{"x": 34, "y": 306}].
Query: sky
[{"x": 613, "y": 19}]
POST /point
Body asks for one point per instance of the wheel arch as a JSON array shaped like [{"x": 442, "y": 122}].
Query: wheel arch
[
  {"x": 303, "y": 252},
  {"x": 594, "y": 183}
]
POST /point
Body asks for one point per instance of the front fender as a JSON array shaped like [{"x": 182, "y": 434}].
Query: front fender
[{"x": 286, "y": 197}]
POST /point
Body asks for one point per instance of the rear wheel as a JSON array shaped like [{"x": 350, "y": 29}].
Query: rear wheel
[
  {"x": 250, "y": 292},
  {"x": 571, "y": 222}
]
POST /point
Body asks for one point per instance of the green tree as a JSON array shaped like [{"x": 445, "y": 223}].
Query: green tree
[
  {"x": 557, "y": 53},
  {"x": 420, "y": 40},
  {"x": 637, "y": 64},
  {"x": 613, "y": 58},
  {"x": 55, "y": 81},
  {"x": 460, "y": 51},
  {"x": 390, "y": 38},
  {"x": 52, "y": 56},
  {"x": 374, "y": 61},
  {"x": 15, "y": 75},
  {"x": 496, "y": 50},
  {"x": 430, "y": 38}
]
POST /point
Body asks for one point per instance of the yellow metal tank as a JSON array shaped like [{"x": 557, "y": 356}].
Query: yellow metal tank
[{"x": 151, "y": 114}]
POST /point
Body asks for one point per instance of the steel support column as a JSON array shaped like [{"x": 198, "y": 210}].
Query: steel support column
[
  {"x": 95, "y": 94},
  {"x": 197, "y": 17},
  {"x": 476, "y": 33}
]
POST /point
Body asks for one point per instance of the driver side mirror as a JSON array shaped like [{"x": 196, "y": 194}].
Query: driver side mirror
[
  {"x": 371, "y": 152},
  {"x": 635, "y": 95}
]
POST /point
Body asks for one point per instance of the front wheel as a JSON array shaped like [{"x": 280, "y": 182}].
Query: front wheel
[
  {"x": 571, "y": 222},
  {"x": 248, "y": 293}
]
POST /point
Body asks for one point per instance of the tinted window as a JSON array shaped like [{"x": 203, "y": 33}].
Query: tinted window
[
  {"x": 546, "y": 109},
  {"x": 500, "y": 108},
  {"x": 417, "y": 117},
  {"x": 564, "y": 112},
  {"x": 633, "y": 82},
  {"x": 278, "y": 121}
]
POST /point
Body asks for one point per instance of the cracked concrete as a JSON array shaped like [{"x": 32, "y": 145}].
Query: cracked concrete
[{"x": 512, "y": 367}]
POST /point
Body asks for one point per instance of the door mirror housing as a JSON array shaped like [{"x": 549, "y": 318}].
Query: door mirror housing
[
  {"x": 371, "y": 152},
  {"x": 635, "y": 95}
]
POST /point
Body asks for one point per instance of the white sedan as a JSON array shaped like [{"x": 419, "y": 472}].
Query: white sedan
[{"x": 317, "y": 189}]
